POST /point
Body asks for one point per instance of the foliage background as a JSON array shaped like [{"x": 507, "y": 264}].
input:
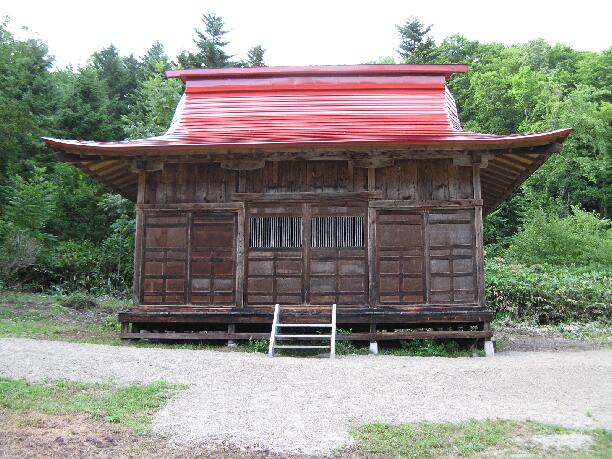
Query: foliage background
[{"x": 548, "y": 247}]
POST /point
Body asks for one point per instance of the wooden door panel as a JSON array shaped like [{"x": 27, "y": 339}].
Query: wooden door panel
[
  {"x": 275, "y": 259},
  {"x": 275, "y": 276},
  {"x": 452, "y": 251},
  {"x": 164, "y": 258},
  {"x": 337, "y": 264},
  {"x": 399, "y": 257},
  {"x": 213, "y": 259}
]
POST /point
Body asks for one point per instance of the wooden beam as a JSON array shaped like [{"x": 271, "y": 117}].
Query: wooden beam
[
  {"x": 193, "y": 206},
  {"x": 376, "y": 336},
  {"x": 397, "y": 204},
  {"x": 306, "y": 196}
]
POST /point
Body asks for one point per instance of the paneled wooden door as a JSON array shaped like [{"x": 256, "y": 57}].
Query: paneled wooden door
[
  {"x": 212, "y": 251},
  {"x": 164, "y": 258},
  {"x": 306, "y": 254},
  {"x": 400, "y": 258},
  {"x": 189, "y": 258},
  {"x": 338, "y": 256}
]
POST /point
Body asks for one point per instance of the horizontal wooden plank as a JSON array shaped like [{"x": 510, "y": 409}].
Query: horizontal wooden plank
[
  {"x": 387, "y": 336},
  {"x": 344, "y": 316},
  {"x": 194, "y": 335},
  {"x": 299, "y": 346},
  {"x": 307, "y": 196},
  {"x": 435, "y": 334},
  {"x": 435, "y": 203},
  {"x": 193, "y": 206}
]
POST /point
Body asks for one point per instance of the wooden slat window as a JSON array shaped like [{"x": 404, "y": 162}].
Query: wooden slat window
[
  {"x": 275, "y": 232},
  {"x": 337, "y": 232}
]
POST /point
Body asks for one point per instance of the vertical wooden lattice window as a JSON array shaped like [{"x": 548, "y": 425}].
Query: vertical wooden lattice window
[
  {"x": 337, "y": 232},
  {"x": 275, "y": 232}
]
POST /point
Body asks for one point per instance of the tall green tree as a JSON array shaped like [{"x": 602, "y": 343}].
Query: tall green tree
[
  {"x": 210, "y": 43},
  {"x": 416, "y": 44},
  {"x": 155, "y": 61},
  {"x": 27, "y": 103},
  {"x": 255, "y": 57}
]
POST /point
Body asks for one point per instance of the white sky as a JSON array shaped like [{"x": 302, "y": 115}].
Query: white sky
[{"x": 301, "y": 32}]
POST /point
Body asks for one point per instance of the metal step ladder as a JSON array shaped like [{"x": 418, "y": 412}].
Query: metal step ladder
[{"x": 275, "y": 335}]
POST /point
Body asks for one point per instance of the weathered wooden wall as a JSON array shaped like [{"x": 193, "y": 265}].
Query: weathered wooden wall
[
  {"x": 436, "y": 179},
  {"x": 422, "y": 242}
]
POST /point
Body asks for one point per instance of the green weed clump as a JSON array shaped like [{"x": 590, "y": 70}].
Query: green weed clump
[
  {"x": 428, "y": 348},
  {"x": 257, "y": 345},
  {"x": 78, "y": 300}
]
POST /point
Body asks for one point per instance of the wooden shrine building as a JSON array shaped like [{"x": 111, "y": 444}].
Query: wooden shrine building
[{"x": 308, "y": 186}]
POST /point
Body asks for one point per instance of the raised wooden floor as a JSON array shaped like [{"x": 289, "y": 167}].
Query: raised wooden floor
[{"x": 365, "y": 324}]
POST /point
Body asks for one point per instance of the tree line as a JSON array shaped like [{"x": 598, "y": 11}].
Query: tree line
[{"x": 61, "y": 230}]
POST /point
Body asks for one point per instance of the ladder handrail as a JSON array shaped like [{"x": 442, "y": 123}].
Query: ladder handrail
[
  {"x": 276, "y": 324},
  {"x": 332, "y": 351},
  {"x": 273, "y": 332}
]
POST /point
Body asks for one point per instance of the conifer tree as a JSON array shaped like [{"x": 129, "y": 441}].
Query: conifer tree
[{"x": 416, "y": 46}]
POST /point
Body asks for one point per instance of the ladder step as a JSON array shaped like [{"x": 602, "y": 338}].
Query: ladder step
[
  {"x": 305, "y": 325},
  {"x": 303, "y": 336},
  {"x": 295, "y": 346}
]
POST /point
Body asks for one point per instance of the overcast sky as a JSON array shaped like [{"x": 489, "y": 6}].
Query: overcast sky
[{"x": 305, "y": 32}]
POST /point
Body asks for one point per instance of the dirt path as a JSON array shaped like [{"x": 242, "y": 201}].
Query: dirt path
[{"x": 290, "y": 404}]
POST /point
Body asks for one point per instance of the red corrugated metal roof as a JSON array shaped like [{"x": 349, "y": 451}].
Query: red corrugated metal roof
[{"x": 294, "y": 107}]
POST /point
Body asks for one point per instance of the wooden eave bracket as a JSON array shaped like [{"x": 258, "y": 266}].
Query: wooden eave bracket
[
  {"x": 373, "y": 163},
  {"x": 146, "y": 165},
  {"x": 243, "y": 165},
  {"x": 470, "y": 160}
]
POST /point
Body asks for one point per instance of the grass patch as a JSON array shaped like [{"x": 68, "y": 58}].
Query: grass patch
[
  {"x": 466, "y": 439},
  {"x": 131, "y": 406},
  {"x": 602, "y": 445},
  {"x": 72, "y": 317}
]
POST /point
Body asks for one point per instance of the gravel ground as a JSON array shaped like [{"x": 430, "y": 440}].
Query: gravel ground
[{"x": 308, "y": 404}]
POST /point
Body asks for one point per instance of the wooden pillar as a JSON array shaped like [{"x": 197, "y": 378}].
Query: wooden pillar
[
  {"x": 372, "y": 281},
  {"x": 373, "y": 343},
  {"x": 139, "y": 239},
  {"x": 478, "y": 230},
  {"x": 240, "y": 254},
  {"x": 306, "y": 217},
  {"x": 231, "y": 329}
]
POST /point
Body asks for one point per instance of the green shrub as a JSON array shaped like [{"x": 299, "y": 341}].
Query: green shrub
[
  {"x": 71, "y": 266},
  {"x": 579, "y": 239},
  {"x": 548, "y": 294}
]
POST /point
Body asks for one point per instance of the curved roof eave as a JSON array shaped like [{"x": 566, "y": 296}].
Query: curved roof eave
[{"x": 172, "y": 146}]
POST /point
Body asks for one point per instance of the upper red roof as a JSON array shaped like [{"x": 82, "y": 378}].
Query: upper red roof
[{"x": 283, "y": 107}]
